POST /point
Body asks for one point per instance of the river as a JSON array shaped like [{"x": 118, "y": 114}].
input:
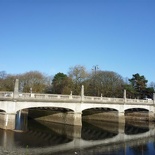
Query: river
[{"x": 93, "y": 138}]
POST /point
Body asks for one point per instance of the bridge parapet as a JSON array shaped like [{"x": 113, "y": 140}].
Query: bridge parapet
[
  {"x": 59, "y": 97},
  {"x": 139, "y": 101},
  {"x": 6, "y": 94}
]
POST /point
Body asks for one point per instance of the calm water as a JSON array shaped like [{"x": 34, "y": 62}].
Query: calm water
[{"x": 93, "y": 138}]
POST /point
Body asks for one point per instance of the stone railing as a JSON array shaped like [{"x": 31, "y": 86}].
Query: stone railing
[
  {"x": 6, "y": 94},
  {"x": 60, "y": 97}
]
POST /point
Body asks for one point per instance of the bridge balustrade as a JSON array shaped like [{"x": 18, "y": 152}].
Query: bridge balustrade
[
  {"x": 76, "y": 97},
  {"x": 24, "y": 95},
  {"x": 6, "y": 94},
  {"x": 139, "y": 101},
  {"x": 90, "y": 99}
]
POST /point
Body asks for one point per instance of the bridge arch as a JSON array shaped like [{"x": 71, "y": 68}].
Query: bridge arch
[
  {"x": 44, "y": 105},
  {"x": 1, "y": 110},
  {"x": 146, "y": 107},
  {"x": 100, "y": 109},
  {"x": 137, "y": 109},
  {"x": 47, "y": 108},
  {"x": 57, "y": 114},
  {"x": 89, "y": 106}
]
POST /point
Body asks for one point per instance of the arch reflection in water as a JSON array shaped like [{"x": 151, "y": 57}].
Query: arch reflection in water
[
  {"x": 98, "y": 130},
  {"x": 39, "y": 135},
  {"x": 93, "y": 138},
  {"x": 136, "y": 128}
]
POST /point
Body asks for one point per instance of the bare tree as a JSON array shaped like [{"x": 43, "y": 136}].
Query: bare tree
[
  {"x": 3, "y": 74},
  {"x": 152, "y": 84},
  {"x": 107, "y": 83},
  {"x": 7, "y": 82},
  {"x": 33, "y": 79},
  {"x": 78, "y": 74}
]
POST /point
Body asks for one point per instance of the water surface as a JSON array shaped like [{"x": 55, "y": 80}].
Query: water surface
[{"x": 93, "y": 138}]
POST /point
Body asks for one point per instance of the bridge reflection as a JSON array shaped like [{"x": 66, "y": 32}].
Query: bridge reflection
[
  {"x": 44, "y": 137},
  {"x": 94, "y": 132},
  {"x": 131, "y": 129},
  {"x": 40, "y": 137}
]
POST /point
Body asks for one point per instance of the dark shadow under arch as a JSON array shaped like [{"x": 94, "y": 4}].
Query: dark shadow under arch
[
  {"x": 97, "y": 110},
  {"x": 45, "y": 111},
  {"x": 100, "y": 114},
  {"x": 136, "y": 114},
  {"x": 2, "y": 110}
]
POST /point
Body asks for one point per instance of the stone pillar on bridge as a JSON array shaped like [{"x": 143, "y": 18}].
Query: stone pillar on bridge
[
  {"x": 121, "y": 117},
  {"x": 9, "y": 121},
  {"x": 16, "y": 89},
  {"x": 78, "y": 111},
  {"x": 78, "y": 118},
  {"x": 72, "y": 118},
  {"x": 153, "y": 98},
  {"x": 82, "y": 93},
  {"x": 124, "y": 95}
]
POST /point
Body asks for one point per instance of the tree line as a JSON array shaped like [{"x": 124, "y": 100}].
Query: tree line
[{"x": 96, "y": 83}]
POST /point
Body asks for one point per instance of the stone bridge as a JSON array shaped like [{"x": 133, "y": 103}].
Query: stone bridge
[{"x": 12, "y": 102}]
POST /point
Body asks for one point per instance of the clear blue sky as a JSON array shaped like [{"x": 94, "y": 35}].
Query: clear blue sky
[{"x": 51, "y": 36}]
